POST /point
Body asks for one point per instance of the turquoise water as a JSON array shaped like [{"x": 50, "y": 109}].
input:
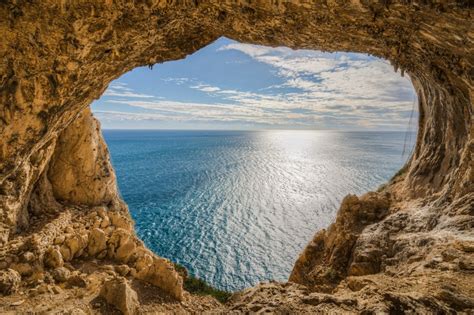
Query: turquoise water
[{"x": 237, "y": 207}]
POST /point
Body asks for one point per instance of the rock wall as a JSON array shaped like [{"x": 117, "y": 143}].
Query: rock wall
[
  {"x": 80, "y": 171},
  {"x": 58, "y": 56}
]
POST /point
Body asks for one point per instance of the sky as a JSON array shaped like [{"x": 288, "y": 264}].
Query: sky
[{"x": 230, "y": 85}]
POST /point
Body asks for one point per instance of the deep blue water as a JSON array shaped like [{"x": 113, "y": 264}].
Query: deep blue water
[{"x": 237, "y": 207}]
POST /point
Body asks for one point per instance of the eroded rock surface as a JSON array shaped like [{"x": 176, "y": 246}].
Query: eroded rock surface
[
  {"x": 119, "y": 293},
  {"x": 406, "y": 248}
]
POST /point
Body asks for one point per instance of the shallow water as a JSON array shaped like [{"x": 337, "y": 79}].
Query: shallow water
[{"x": 237, "y": 207}]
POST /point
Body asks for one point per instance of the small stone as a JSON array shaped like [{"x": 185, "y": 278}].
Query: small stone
[
  {"x": 48, "y": 278},
  {"x": 28, "y": 257},
  {"x": 143, "y": 262},
  {"x": 118, "y": 293},
  {"x": 17, "y": 303},
  {"x": 77, "y": 281},
  {"x": 122, "y": 270},
  {"x": 37, "y": 276},
  {"x": 105, "y": 222},
  {"x": 9, "y": 281},
  {"x": 23, "y": 269},
  {"x": 76, "y": 244},
  {"x": 61, "y": 274},
  {"x": 65, "y": 253},
  {"x": 56, "y": 289},
  {"x": 53, "y": 258},
  {"x": 125, "y": 251},
  {"x": 59, "y": 240}
]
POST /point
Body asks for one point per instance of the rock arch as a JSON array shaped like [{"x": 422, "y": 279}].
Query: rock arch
[{"x": 58, "y": 56}]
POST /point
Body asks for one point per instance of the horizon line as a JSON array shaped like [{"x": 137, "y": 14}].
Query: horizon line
[{"x": 272, "y": 129}]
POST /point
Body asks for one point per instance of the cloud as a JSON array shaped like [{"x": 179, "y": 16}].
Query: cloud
[
  {"x": 315, "y": 90},
  {"x": 177, "y": 81},
  {"x": 205, "y": 88},
  {"x": 122, "y": 90}
]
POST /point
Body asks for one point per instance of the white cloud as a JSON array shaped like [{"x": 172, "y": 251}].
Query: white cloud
[
  {"x": 319, "y": 90},
  {"x": 205, "y": 88},
  {"x": 177, "y": 81},
  {"x": 121, "y": 89}
]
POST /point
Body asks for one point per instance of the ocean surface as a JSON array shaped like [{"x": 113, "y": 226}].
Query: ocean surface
[{"x": 237, "y": 207}]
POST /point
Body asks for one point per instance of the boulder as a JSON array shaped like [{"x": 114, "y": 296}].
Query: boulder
[
  {"x": 9, "y": 281},
  {"x": 53, "y": 258},
  {"x": 76, "y": 244},
  {"x": 121, "y": 245},
  {"x": 117, "y": 292},
  {"x": 125, "y": 250},
  {"x": 97, "y": 242},
  {"x": 162, "y": 274}
]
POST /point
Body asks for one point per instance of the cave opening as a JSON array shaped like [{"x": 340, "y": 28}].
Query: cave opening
[{"x": 242, "y": 150}]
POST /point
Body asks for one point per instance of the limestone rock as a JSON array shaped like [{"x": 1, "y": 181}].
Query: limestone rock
[
  {"x": 65, "y": 252},
  {"x": 162, "y": 274},
  {"x": 328, "y": 257},
  {"x": 144, "y": 262},
  {"x": 119, "y": 220},
  {"x": 121, "y": 245},
  {"x": 122, "y": 270},
  {"x": 53, "y": 258},
  {"x": 76, "y": 243},
  {"x": 77, "y": 280},
  {"x": 61, "y": 274},
  {"x": 9, "y": 281},
  {"x": 126, "y": 250},
  {"x": 24, "y": 269},
  {"x": 118, "y": 293},
  {"x": 28, "y": 257},
  {"x": 68, "y": 174},
  {"x": 97, "y": 242}
]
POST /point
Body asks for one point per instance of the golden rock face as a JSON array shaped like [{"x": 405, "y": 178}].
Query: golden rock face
[{"x": 413, "y": 236}]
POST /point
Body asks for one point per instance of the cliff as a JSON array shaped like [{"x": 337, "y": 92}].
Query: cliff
[{"x": 67, "y": 237}]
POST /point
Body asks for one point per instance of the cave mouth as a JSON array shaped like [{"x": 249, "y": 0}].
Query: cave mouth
[{"x": 254, "y": 186}]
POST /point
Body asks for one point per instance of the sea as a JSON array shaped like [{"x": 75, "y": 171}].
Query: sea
[{"x": 237, "y": 207}]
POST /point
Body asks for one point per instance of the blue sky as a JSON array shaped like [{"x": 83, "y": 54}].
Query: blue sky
[{"x": 229, "y": 85}]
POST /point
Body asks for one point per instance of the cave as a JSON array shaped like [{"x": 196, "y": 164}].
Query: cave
[{"x": 406, "y": 247}]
